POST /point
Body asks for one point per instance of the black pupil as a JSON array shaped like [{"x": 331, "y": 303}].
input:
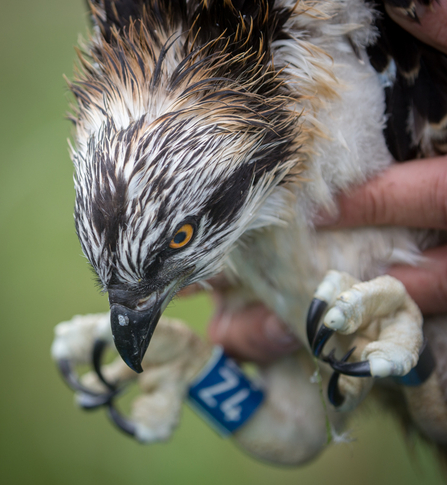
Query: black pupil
[{"x": 180, "y": 237}]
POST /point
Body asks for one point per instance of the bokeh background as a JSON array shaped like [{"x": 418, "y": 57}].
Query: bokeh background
[{"x": 44, "y": 438}]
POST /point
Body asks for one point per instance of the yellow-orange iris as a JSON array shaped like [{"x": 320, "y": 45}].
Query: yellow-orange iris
[{"x": 182, "y": 237}]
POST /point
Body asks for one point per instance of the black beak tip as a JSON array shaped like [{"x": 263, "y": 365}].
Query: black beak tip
[
  {"x": 134, "y": 365},
  {"x": 132, "y": 359}
]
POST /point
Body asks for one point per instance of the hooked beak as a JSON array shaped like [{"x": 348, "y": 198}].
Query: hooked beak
[{"x": 132, "y": 331}]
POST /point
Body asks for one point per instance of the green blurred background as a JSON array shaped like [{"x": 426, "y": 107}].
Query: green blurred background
[{"x": 44, "y": 438}]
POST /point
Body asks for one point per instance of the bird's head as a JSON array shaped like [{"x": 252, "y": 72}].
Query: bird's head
[{"x": 172, "y": 166}]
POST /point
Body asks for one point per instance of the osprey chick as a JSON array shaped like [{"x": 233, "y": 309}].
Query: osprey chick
[{"x": 208, "y": 132}]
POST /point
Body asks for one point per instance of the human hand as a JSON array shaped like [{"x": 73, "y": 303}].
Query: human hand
[
  {"x": 413, "y": 194},
  {"x": 250, "y": 333},
  {"x": 253, "y": 333}
]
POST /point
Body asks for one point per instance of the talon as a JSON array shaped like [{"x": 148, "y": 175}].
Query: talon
[
  {"x": 323, "y": 335},
  {"x": 89, "y": 402},
  {"x": 120, "y": 421},
  {"x": 316, "y": 310},
  {"x": 334, "y": 395},
  {"x": 98, "y": 351},
  {"x": 355, "y": 369},
  {"x": 86, "y": 398},
  {"x": 72, "y": 379}
]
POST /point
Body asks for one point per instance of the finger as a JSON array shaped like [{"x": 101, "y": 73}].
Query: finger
[
  {"x": 412, "y": 194},
  {"x": 427, "y": 285},
  {"x": 253, "y": 333},
  {"x": 431, "y": 25}
]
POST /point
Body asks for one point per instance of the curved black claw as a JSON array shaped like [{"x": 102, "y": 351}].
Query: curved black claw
[
  {"x": 98, "y": 351},
  {"x": 120, "y": 421},
  {"x": 316, "y": 310},
  {"x": 88, "y": 401},
  {"x": 323, "y": 335},
  {"x": 354, "y": 369},
  {"x": 86, "y": 398},
  {"x": 72, "y": 379},
  {"x": 334, "y": 395}
]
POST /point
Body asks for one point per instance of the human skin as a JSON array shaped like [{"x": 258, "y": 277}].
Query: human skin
[
  {"x": 431, "y": 27},
  {"x": 413, "y": 194}
]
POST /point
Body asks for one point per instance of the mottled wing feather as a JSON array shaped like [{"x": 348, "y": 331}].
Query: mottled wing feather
[{"x": 416, "y": 97}]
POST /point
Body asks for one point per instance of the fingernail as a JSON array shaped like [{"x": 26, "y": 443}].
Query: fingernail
[
  {"x": 276, "y": 332},
  {"x": 414, "y": 12}
]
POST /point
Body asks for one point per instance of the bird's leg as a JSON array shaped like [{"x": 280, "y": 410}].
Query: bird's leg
[{"x": 386, "y": 326}]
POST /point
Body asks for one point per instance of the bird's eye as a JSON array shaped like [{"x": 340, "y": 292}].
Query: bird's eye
[{"x": 182, "y": 237}]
